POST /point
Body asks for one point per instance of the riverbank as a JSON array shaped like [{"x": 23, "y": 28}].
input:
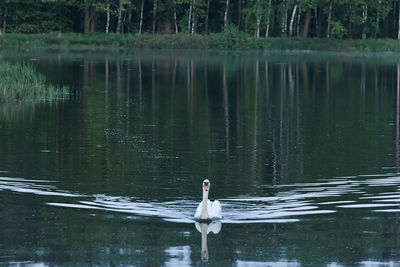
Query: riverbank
[{"x": 229, "y": 40}]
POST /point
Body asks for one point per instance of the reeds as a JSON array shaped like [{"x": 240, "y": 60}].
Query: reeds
[{"x": 24, "y": 83}]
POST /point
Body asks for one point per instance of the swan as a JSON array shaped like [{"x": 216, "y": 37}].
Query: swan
[{"x": 208, "y": 210}]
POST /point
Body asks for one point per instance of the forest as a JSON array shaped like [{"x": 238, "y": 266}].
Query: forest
[{"x": 340, "y": 19}]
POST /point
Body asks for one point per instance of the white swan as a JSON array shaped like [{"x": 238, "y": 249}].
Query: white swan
[{"x": 208, "y": 210}]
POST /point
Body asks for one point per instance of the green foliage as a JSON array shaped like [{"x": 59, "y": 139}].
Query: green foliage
[
  {"x": 231, "y": 39},
  {"x": 36, "y": 17},
  {"x": 23, "y": 83},
  {"x": 337, "y": 30},
  {"x": 351, "y": 18}
]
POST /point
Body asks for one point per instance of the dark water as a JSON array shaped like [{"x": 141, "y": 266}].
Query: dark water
[{"x": 302, "y": 150}]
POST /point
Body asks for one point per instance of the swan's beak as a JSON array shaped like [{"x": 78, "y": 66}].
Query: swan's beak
[
  {"x": 206, "y": 186},
  {"x": 205, "y": 255}
]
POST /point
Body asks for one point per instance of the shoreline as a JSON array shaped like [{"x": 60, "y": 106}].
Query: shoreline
[{"x": 230, "y": 41}]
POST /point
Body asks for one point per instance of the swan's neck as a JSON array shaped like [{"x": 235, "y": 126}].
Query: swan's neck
[
  {"x": 204, "y": 210},
  {"x": 204, "y": 249}
]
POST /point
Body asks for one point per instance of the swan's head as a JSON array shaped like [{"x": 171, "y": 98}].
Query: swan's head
[
  {"x": 206, "y": 185},
  {"x": 204, "y": 255}
]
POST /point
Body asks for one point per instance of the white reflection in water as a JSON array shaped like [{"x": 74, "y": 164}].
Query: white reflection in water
[
  {"x": 178, "y": 256},
  {"x": 287, "y": 203},
  {"x": 282, "y": 263},
  {"x": 38, "y": 187},
  {"x": 205, "y": 229}
]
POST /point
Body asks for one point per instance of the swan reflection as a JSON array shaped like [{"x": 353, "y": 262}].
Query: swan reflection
[{"x": 205, "y": 229}]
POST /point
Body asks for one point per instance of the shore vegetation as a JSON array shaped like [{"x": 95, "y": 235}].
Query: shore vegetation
[{"x": 21, "y": 82}]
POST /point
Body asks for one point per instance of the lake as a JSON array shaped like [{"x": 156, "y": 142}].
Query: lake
[{"x": 302, "y": 150}]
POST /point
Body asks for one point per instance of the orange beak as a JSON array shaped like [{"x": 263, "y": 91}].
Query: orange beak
[{"x": 205, "y": 255}]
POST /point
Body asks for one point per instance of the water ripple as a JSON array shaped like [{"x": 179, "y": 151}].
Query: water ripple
[{"x": 287, "y": 203}]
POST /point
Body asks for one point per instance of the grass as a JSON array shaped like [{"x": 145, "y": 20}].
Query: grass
[
  {"x": 24, "y": 83},
  {"x": 228, "y": 40}
]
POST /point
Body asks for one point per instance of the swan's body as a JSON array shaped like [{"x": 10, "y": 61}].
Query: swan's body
[
  {"x": 208, "y": 210},
  {"x": 213, "y": 210}
]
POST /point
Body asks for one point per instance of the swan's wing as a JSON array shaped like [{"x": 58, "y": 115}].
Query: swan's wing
[
  {"x": 214, "y": 209},
  {"x": 198, "y": 211}
]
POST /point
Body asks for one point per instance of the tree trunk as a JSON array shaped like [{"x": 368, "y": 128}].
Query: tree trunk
[
  {"x": 87, "y": 15},
  {"x": 93, "y": 19},
  {"x": 190, "y": 16},
  {"x": 398, "y": 33},
  {"x": 141, "y": 17},
  {"x": 307, "y": 22},
  {"x": 350, "y": 30},
  {"x": 175, "y": 20},
  {"x": 207, "y": 12},
  {"x": 292, "y": 21},
  {"x": 154, "y": 15},
  {"x": 119, "y": 17},
  {"x": 226, "y": 15},
  {"x": 194, "y": 17},
  {"x": 377, "y": 20},
  {"x": 298, "y": 21},
  {"x": 316, "y": 21},
  {"x": 268, "y": 19},
  {"x": 365, "y": 16},
  {"x": 129, "y": 18},
  {"x": 123, "y": 23},
  {"x": 108, "y": 17},
  {"x": 239, "y": 13},
  {"x": 284, "y": 18},
  {"x": 5, "y": 20},
  {"x": 90, "y": 18},
  {"x": 258, "y": 19},
  {"x": 328, "y": 28}
]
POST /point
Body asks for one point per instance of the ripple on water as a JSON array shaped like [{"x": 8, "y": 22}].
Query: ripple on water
[{"x": 290, "y": 203}]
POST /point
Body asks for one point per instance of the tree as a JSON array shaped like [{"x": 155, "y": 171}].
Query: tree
[
  {"x": 90, "y": 16},
  {"x": 154, "y": 15},
  {"x": 226, "y": 15},
  {"x": 307, "y": 5},
  {"x": 331, "y": 18}
]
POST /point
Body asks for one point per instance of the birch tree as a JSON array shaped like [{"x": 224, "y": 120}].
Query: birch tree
[
  {"x": 398, "y": 32},
  {"x": 141, "y": 17},
  {"x": 154, "y": 15},
  {"x": 268, "y": 18},
  {"x": 175, "y": 19},
  {"x": 108, "y": 17},
  {"x": 292, "y": 20},
  {"x": 328, "y": 27},
  {"x": 226, "y": 15},
  {"x": 190, "y": 15},
  {"x": 258, "y": 19},
  {"x": 119, "y": 25}
]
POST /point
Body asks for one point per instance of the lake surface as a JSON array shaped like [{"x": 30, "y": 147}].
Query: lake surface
[{"x": 302, "y": 150}]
